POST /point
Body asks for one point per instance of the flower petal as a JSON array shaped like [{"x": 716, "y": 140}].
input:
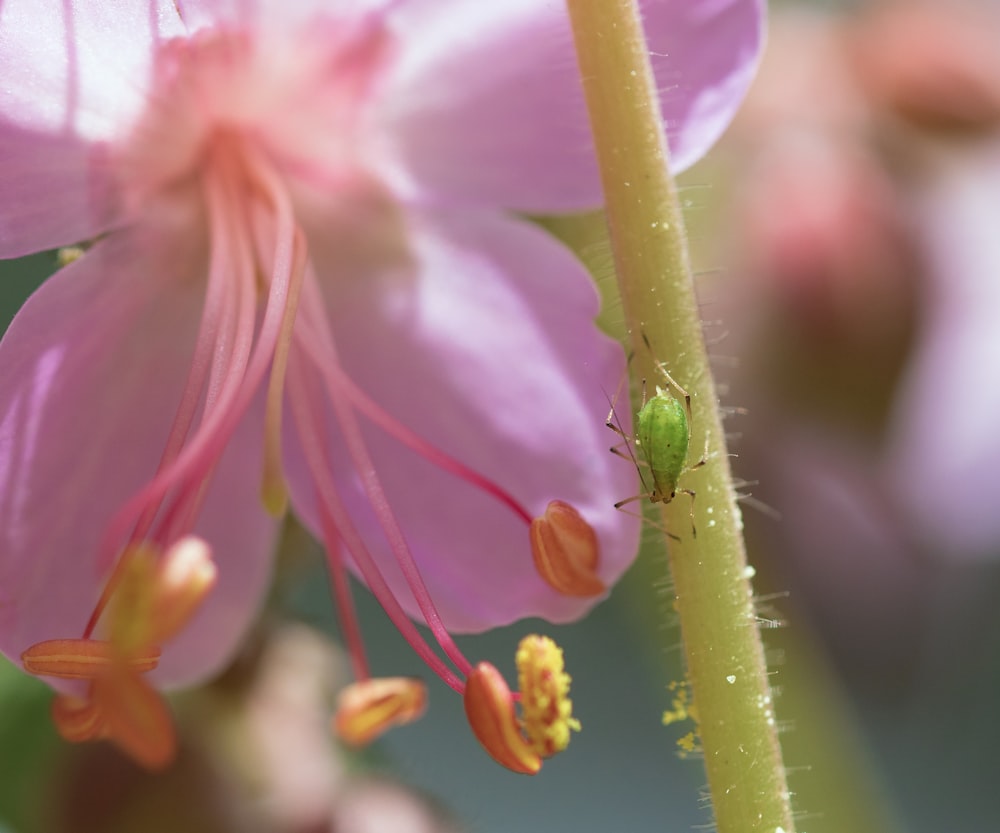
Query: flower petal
[
  {"x": 93, "y": 368},
  {"x": 486, "y": 106},
  {"x": 705, "y": 54},
  {"x": 268, "y": 14},
  {"x": 487, "y": 348},
  {"x": 56, "y": 192},
  {"x": 73, "y": 79}
]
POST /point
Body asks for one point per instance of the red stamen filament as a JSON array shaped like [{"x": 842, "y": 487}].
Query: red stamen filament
[
  {"x": 327, "y": 364},
  {"x": 335, "y": 517},
  {"x": 414, "y": 441}
]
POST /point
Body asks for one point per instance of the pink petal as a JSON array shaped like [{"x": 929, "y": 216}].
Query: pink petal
[
  {"x": 74, "y": 76},
  {"x": 485, "y": 106},
  {"x": 56, "y": 192},
  {"x": 705, "y": 54},
  {"x": 267, "y": 14},
  {"x": 487, "y": 348},
  {"x": 93, "y": 366}
]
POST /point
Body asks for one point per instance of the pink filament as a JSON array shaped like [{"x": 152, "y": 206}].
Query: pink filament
[
  {"x": 235, "y": 378},
  {"x": 323, "y": 354},
  {"x": 411, "y": 439},
  {"x": 307, "y": 415}
]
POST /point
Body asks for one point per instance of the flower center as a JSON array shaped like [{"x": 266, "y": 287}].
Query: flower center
[{"x": 300, "y": 101}]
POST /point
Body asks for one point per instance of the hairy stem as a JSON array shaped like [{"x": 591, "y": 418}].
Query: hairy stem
[{"x": 723, "y": 650}]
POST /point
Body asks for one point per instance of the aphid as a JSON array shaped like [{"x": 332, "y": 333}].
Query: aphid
[{"x": 663, "y": 437}]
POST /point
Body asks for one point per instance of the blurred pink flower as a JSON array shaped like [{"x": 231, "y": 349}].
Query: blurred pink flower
[
  {"x": 943, "y": 454},
  {"x": 869, "y": 165},
  {"x": 312, "y": 204}
]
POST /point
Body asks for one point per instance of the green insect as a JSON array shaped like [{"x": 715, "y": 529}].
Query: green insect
[{"x": 663, "y": 437}]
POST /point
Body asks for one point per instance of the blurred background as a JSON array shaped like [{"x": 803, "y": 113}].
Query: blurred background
[{"x": 847, "y": 235}]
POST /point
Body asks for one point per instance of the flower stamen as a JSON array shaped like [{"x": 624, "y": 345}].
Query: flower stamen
[
  {"x": 337, "y": 525},
  {"x": 546, "y": 709},
  {"x": 371, "y": 409},
  {"x": 545, "y": 705},
  {"x": 323, "y": 356},
  {"x": 489, "y": 706},
  {"x": 566, "y": 552},
  {"x": 153, "y": 599},
  {"x": 370, "y": 706},
  {"x": 234, "y": 177},
  {"x": 83, "y": 659},
  {"x": 367, "y": 708}
]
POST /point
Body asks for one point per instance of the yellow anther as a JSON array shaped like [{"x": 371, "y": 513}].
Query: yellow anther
[
  {"x": 566, "y": 552},
  {"x": 156, "y": 596},
  {"x": 274, "y": 486},
  {"x": 184, "y": 578},
  {"x": 489, "y": 706},
  {"x": 546, "y": 710},
  {"x": 368, "y": 708},
  {"x": 69, "y": 254},
  {"x": 152, "y": 598},
  {"x": 273, "y": 491},
  {"x": 129, "y": 616}
]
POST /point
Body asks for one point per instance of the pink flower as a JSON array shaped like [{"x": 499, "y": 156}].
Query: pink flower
[{"x": 307, "y": 269}]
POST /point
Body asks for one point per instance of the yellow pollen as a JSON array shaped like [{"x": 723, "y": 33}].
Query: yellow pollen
[
  {"x": 69, "y": 254},
  {"x": 683, "y": 707},
  {"x": 546, "y": 710}
]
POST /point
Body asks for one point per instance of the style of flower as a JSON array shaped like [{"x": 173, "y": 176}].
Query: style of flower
[{"x": 311, "y": 206}]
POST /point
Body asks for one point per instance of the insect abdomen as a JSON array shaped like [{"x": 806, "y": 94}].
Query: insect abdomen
[{"x": 663, "y": 437}]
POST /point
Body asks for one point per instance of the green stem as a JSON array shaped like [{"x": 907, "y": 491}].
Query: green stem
[{"x": 723, "y": 650}]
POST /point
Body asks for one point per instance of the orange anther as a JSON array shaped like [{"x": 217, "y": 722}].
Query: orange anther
[
  {"x": 78, "y": 719},
  {"x": 83, "y": 659},
  {"x": 367, "y": 708},
  {"x": 136, "y": 719},
  {"x": 489, "y": 706},
  {"x": 565, "y": 549},
  {"x": 149, "y": 599}
]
